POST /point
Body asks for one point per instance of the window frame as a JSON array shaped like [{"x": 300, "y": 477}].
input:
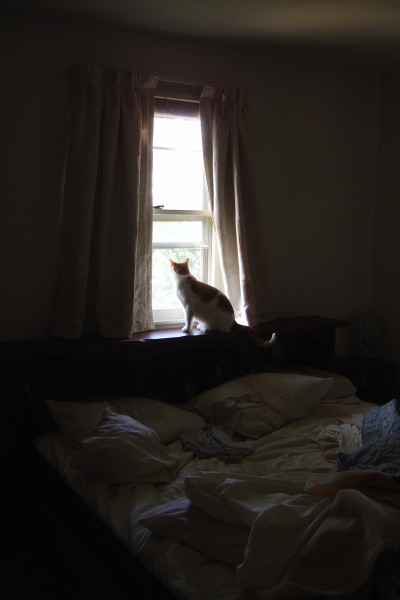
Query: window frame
[
  {"x": 184, "y": 104},
  {"x": 174, "y": 316}
]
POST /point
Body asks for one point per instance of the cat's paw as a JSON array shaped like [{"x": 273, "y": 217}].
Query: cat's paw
[{"x": 185, "y": 329}]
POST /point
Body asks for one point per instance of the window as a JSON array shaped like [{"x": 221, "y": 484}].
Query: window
[{"x": 182, "y": 224}]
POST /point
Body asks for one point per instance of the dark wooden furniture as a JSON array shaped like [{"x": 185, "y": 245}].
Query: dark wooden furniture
[
  {"x": 373, "y": 377},
  {"x": 164, "y": 363},
  {"x": 307, "y": 340}
]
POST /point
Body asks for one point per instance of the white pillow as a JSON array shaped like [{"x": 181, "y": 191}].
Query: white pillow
[
  {"x": 168, "y": 420},
  {"x": 77, "y": 419},
  {"x": 340, "y": 386},
  {"x": 281, "y": 398},
  {"x": 122, "y": 450}
]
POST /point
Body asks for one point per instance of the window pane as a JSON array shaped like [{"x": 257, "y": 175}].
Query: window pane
[
  {"x": 178, "y": 231},
  {"x": 178, "y": 169},
  {"x": 178, "y": 133},
  {"x": 163, "y": 290},
  {"x": 178, "y": 179},
  {"x": 178, "y": 184}
]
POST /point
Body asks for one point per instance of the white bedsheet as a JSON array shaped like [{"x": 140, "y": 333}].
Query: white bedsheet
[
  {"x": 320, "y": 543},
  {"x": 284, "y": 463}
]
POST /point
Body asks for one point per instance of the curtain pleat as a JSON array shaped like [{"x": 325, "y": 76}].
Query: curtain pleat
[
  {"x": 225, "y": 149},
  {"x": 104, "y": 284}
]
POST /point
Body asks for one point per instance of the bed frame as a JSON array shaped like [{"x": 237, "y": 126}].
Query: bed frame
[{"x": 161, "y": 364}]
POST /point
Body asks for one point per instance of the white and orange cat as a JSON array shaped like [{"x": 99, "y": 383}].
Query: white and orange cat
[{"x": 206, "y": 304}]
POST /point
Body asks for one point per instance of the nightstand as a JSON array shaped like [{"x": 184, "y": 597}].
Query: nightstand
[{"x": 373, "y": 377}]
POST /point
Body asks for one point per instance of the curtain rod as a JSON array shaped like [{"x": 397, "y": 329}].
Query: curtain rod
[
  {"x": 177, "y": 91},
  {"x": 181, "y": 91},
  {"x": 168, "y": 80},
  {"x": 197, "y": 84},
  {"x": 175, "y": 99}
]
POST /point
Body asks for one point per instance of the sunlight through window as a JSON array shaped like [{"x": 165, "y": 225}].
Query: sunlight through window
[{"x": 182, "y": 227}]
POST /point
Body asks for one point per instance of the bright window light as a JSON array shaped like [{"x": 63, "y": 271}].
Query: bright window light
[
  {"x": 183, "y": 227},
  {"x": 178, "y": 172}
]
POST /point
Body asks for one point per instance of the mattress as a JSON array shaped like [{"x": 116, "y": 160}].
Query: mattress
[{"x": 152, "y": 519}]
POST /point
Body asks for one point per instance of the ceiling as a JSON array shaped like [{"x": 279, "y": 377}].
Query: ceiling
[{"x": 369, "y": 25}]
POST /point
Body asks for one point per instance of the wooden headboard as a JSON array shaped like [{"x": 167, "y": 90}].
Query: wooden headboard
[{"x": 165, "y": 364}]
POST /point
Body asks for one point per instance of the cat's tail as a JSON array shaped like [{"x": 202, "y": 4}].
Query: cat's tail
[
  {"x": 264, "y": 343},
  {"x": 256, "y": 339}
]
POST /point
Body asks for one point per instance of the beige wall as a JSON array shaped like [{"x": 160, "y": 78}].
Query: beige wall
[
  {"x": 314, "y": 125},
  {"x": 386, "y": 271}
]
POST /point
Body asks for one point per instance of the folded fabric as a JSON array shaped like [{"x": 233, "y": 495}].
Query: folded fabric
[
  {"x": 214, "y": 443},
  {"x": 122, "y": 450},
  {"x": 322, "y": 541},
  {"x": 381, "y": 437},
  {"x": 381, "y": 456},
  {"x": 327, "y": 548},
  {"x": 227, "y": 413},
  {"x": 335, "y": 438},
  {"x": 180, "y": 520},
  {"x": 382, "y": 423},
  {"x": 276, "y": 399}
]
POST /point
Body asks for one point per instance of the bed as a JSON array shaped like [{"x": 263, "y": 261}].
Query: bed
[{"x": 278, "y": 484}]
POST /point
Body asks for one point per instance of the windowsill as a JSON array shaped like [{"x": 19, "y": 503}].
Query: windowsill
[
  {"x": 175, "y": 324},
  {"x": 94, "y": 345},
  {"x": 173, "y": 334},
  {"x": 164, "y": 333}
]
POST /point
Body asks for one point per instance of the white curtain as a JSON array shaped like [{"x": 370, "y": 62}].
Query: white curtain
[
  {"x": 104, "y": 285},
  {"x": 225, "y": 147}
]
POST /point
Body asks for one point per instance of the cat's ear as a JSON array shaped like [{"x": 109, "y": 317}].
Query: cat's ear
[
  {"x": 171, "y": 261},
  {"x": 187, "y": 261}
]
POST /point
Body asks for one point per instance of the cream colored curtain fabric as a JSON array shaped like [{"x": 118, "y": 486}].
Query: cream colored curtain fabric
[
  {"x": 224, "y": 131},
  {"x": 104, "y": 283}
]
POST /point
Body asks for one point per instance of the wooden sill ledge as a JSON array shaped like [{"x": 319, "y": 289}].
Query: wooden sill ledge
[{"x": 290, "y": 327}]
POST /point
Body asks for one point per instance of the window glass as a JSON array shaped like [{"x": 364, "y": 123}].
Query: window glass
[
  {"x": 163, "y": 296},
  {"x": 183, "y": 227},
  {"x": 178, "y": 133},
  {"x": 178, "y": 231},
  {"x": 178, "y": 172}
]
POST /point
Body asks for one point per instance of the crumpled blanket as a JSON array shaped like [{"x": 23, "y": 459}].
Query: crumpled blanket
[
  {"x": 341, "y": 437},
  {"x": 226, "y": 413},
  {"x": 321, "y": 541},
  {"x": 382, "y": 422},
  {"x": 381, "y": 442},
  {"x": 382, "y": 456},
  {"x": 214, "y": 442},
  {"x": 217, "y": 440}
]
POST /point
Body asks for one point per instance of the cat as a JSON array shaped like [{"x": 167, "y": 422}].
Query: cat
[{"x": 208, "y": 305}]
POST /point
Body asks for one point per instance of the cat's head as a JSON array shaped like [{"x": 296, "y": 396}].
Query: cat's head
[{"x": 181, "y": 268}]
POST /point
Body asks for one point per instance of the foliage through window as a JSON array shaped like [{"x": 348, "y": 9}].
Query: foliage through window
[{"x": 182, "y": 225}]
